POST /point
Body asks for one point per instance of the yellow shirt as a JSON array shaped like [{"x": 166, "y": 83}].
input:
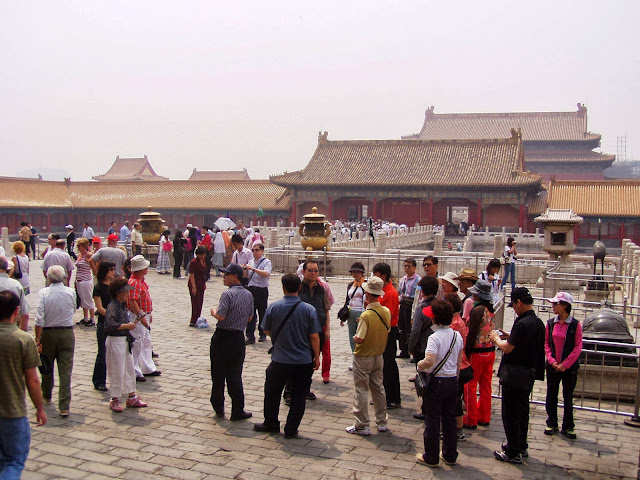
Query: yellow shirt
[{"x": 373, "y": 330}]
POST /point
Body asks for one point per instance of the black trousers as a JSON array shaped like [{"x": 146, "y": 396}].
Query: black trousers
[
  {"x": 515, "y": 419},
  {"x": 177, "y": 263},
  {"x": 441, "y": 409},
  {"x": 100, "y": 367},
  {"x": 137, "y": 250},
  {"x": 299, "y": 378},
  {"x": 390, "y": 373},
  {"x": 404, "y": 329},
  {"x": 227, "y": 358},
  {"x": 569, "y": 380},
  {"x": 260, "y": 297}
]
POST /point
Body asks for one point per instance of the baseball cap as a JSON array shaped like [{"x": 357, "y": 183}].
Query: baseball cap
[
  {"x": 96, "y": 239},
  {"x": 428, "y": 312},
  {"x": 69, "y": 227},
  {"x": 561, "y": 297},
  {"x": 233, "y": 269},
  {"x": 519, "y": 293},
  {"x": 112, "y": 237}
]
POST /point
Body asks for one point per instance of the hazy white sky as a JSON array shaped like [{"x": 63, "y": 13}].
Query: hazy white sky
[{"x": 226, "y": 85}]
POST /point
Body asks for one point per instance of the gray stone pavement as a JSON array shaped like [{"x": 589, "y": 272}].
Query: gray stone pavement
[{"x": 178, "y": 437}]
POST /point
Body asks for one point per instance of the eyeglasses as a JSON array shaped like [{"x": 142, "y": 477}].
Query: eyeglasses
[
  {"x": 427, "y": 264},
  {"x": 256, "y": 249},
  {"x": 312, "y": 270}
]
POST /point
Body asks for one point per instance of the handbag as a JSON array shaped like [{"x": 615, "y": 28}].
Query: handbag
[
  {"x": 166, "y": 246},
  {"x": 343, "y": 313},
  {"x": 423, "y": 379},
  {"x": 17, "y": 274}
]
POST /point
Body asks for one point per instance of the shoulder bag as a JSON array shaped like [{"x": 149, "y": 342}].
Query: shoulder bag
[
  {"x": 17, "y": 274},
  {"x": 274, "y": 337},
  {"x": 343, "y": 313},
  {"x": 423, "y": 379}
]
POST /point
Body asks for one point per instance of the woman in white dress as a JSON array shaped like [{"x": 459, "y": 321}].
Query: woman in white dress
[{"x": 162, "y": 264}]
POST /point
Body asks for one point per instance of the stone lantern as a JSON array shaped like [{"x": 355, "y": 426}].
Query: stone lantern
[{"x": 559, "y": 228}]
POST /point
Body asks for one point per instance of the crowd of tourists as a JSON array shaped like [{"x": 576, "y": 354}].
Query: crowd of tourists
[{"x": 444, "y": 323}]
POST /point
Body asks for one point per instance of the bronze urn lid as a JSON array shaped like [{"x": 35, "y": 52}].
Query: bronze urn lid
[{"x": 314, "y": 217}]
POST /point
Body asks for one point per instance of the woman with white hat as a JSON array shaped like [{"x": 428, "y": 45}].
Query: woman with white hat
[
  {"x": 481, "y": 352},
  {"x": 562, "y": 347}
]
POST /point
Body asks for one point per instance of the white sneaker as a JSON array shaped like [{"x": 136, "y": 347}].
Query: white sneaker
[
  {"x": 382, "y": 428},
  {"x": 364, "y": 431}
]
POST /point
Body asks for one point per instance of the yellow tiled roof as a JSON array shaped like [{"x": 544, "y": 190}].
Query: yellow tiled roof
[
  {"x": 538, "y": 203},
  {"x": 572, "y": 157},
  {"x": 219, "y": 175},
  {"x": 606, "y": 198},
  {"x": 130, "y": 169},
  {"x": 536, "y": 126},
  {"x": 32, "y": 193},
  {"x": 431, "y": 164},
  {"x": 161, "y": 195}
]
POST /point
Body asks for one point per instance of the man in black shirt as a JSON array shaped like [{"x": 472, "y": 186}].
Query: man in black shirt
[{"x": 522, "y": 364}]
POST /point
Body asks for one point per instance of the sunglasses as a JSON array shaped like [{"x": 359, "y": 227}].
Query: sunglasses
[
  {"x": 256, "y": 249},
  {"x": 427, "y": 264},
  {"x": 312, "y": 270}
]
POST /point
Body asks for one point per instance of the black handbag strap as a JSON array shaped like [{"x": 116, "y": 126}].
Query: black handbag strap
[
  {"x": 275, "y": 335},
  {"x": 446, "y": 357},
  {"x": 382, "y": 320}
]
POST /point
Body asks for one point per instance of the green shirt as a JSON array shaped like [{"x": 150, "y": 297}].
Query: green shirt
[
  {"x": 373, "y": 328},
  {"x": 18, "y": 353}
]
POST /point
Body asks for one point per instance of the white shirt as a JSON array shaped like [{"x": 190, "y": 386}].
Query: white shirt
[
  {"x": 56, "y": 306},
  {"x": 13, "y": 285},
  {"x": 242, "y": 257},
  {"x": 55, "y": 256},
  {"x": 439, "y": 343},
  {"x": 88, "y": 233},
  {"x": 255, "y": 279}
]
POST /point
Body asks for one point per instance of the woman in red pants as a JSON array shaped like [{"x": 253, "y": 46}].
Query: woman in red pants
[{"x": 481, "y": 352}]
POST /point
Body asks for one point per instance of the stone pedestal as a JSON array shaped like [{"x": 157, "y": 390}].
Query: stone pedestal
[
  {"x": 437, "y": 246},
  {"x": 6, "y": 244}
]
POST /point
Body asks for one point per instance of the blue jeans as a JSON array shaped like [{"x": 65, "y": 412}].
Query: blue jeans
[
  {"x": 509, "y": 268},
  {"x": 15, "y": 438}
]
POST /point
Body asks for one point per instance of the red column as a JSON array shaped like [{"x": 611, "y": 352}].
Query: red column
[
  {"x": 430, "y": 210},
  {"x": 48, "y": 222},
  {"x": 621, "y": 233},
  {"x": 330, "y": 209},
  {"x": 374, "y": 213},
  {"x": 479, "y": 220},
  {"x": 521, "y": 217},
  {"x": 293, "y": 215}
]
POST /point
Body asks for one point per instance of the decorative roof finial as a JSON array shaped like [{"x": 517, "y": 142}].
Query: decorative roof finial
[
  {"x": 323, "y": 137},
  {"x": 516, "y": 133},
  {"x": 582, "y": 109},
  {"x": 429, "y": 112}
]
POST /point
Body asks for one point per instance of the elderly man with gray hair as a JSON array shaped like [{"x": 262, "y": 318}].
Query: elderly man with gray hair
[
  {"x": 7, "y": 283},
  {"x": 54, "y": 335}
]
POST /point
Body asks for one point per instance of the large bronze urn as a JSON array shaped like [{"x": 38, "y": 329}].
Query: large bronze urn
[
  {"x": 314, "y": 230},
  {"x": 152, "y": 226}
]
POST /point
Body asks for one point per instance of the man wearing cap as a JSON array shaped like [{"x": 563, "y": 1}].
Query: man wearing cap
[
  {"x": 110, "y": 253},
  {"x": 14, "y": 286},
  {"x": 19, "y": 359},
  {"x": 522, "y": 364},
  {"x": 71, "y": 241},
  {"x": 227, "y": 350},
  {"x": 390, "y": 373},
  {"x": 467, "y": 279},
  {"x": 141, "y": 306},
  {"x": 54, "y": 335},
  {"x": 259, "y": 270},
  {"x": 136, "y": 239},
  {"x": 371, "y": 341},
  {"x": 87, "y": 231},
  {"x": 294, "y": 330},
  {"x": 57, "y": 256},
  {"x": 407, "y": 291}
]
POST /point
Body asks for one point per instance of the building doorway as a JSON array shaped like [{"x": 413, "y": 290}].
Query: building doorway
[{"x": 457, "y": 220}]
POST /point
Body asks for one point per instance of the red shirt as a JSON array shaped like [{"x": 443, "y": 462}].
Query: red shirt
[
  {"x": 390, "y": 300},
  {"x": 140, "y": 294},
  {"x": 206, "y": 242}
]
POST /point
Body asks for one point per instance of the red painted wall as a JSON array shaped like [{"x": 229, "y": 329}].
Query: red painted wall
[{"x": 501, "y": 216}]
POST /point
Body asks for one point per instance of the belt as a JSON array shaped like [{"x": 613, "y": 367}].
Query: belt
[{"x": 56, "y": 328}]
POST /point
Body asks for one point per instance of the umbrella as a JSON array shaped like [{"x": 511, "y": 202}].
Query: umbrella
[{"x": 224, "y": 223}]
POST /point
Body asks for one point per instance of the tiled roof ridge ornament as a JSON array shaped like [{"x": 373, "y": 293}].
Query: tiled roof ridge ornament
[
  {"x": 582, "y": 109},
  {"x": 429, "y": 113},
  {"x": 516, "y": 134},
  {"x": 323, "y": 137}
]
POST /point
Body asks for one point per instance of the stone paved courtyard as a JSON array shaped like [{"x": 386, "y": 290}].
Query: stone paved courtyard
[{"x": 178, "y": 437}]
